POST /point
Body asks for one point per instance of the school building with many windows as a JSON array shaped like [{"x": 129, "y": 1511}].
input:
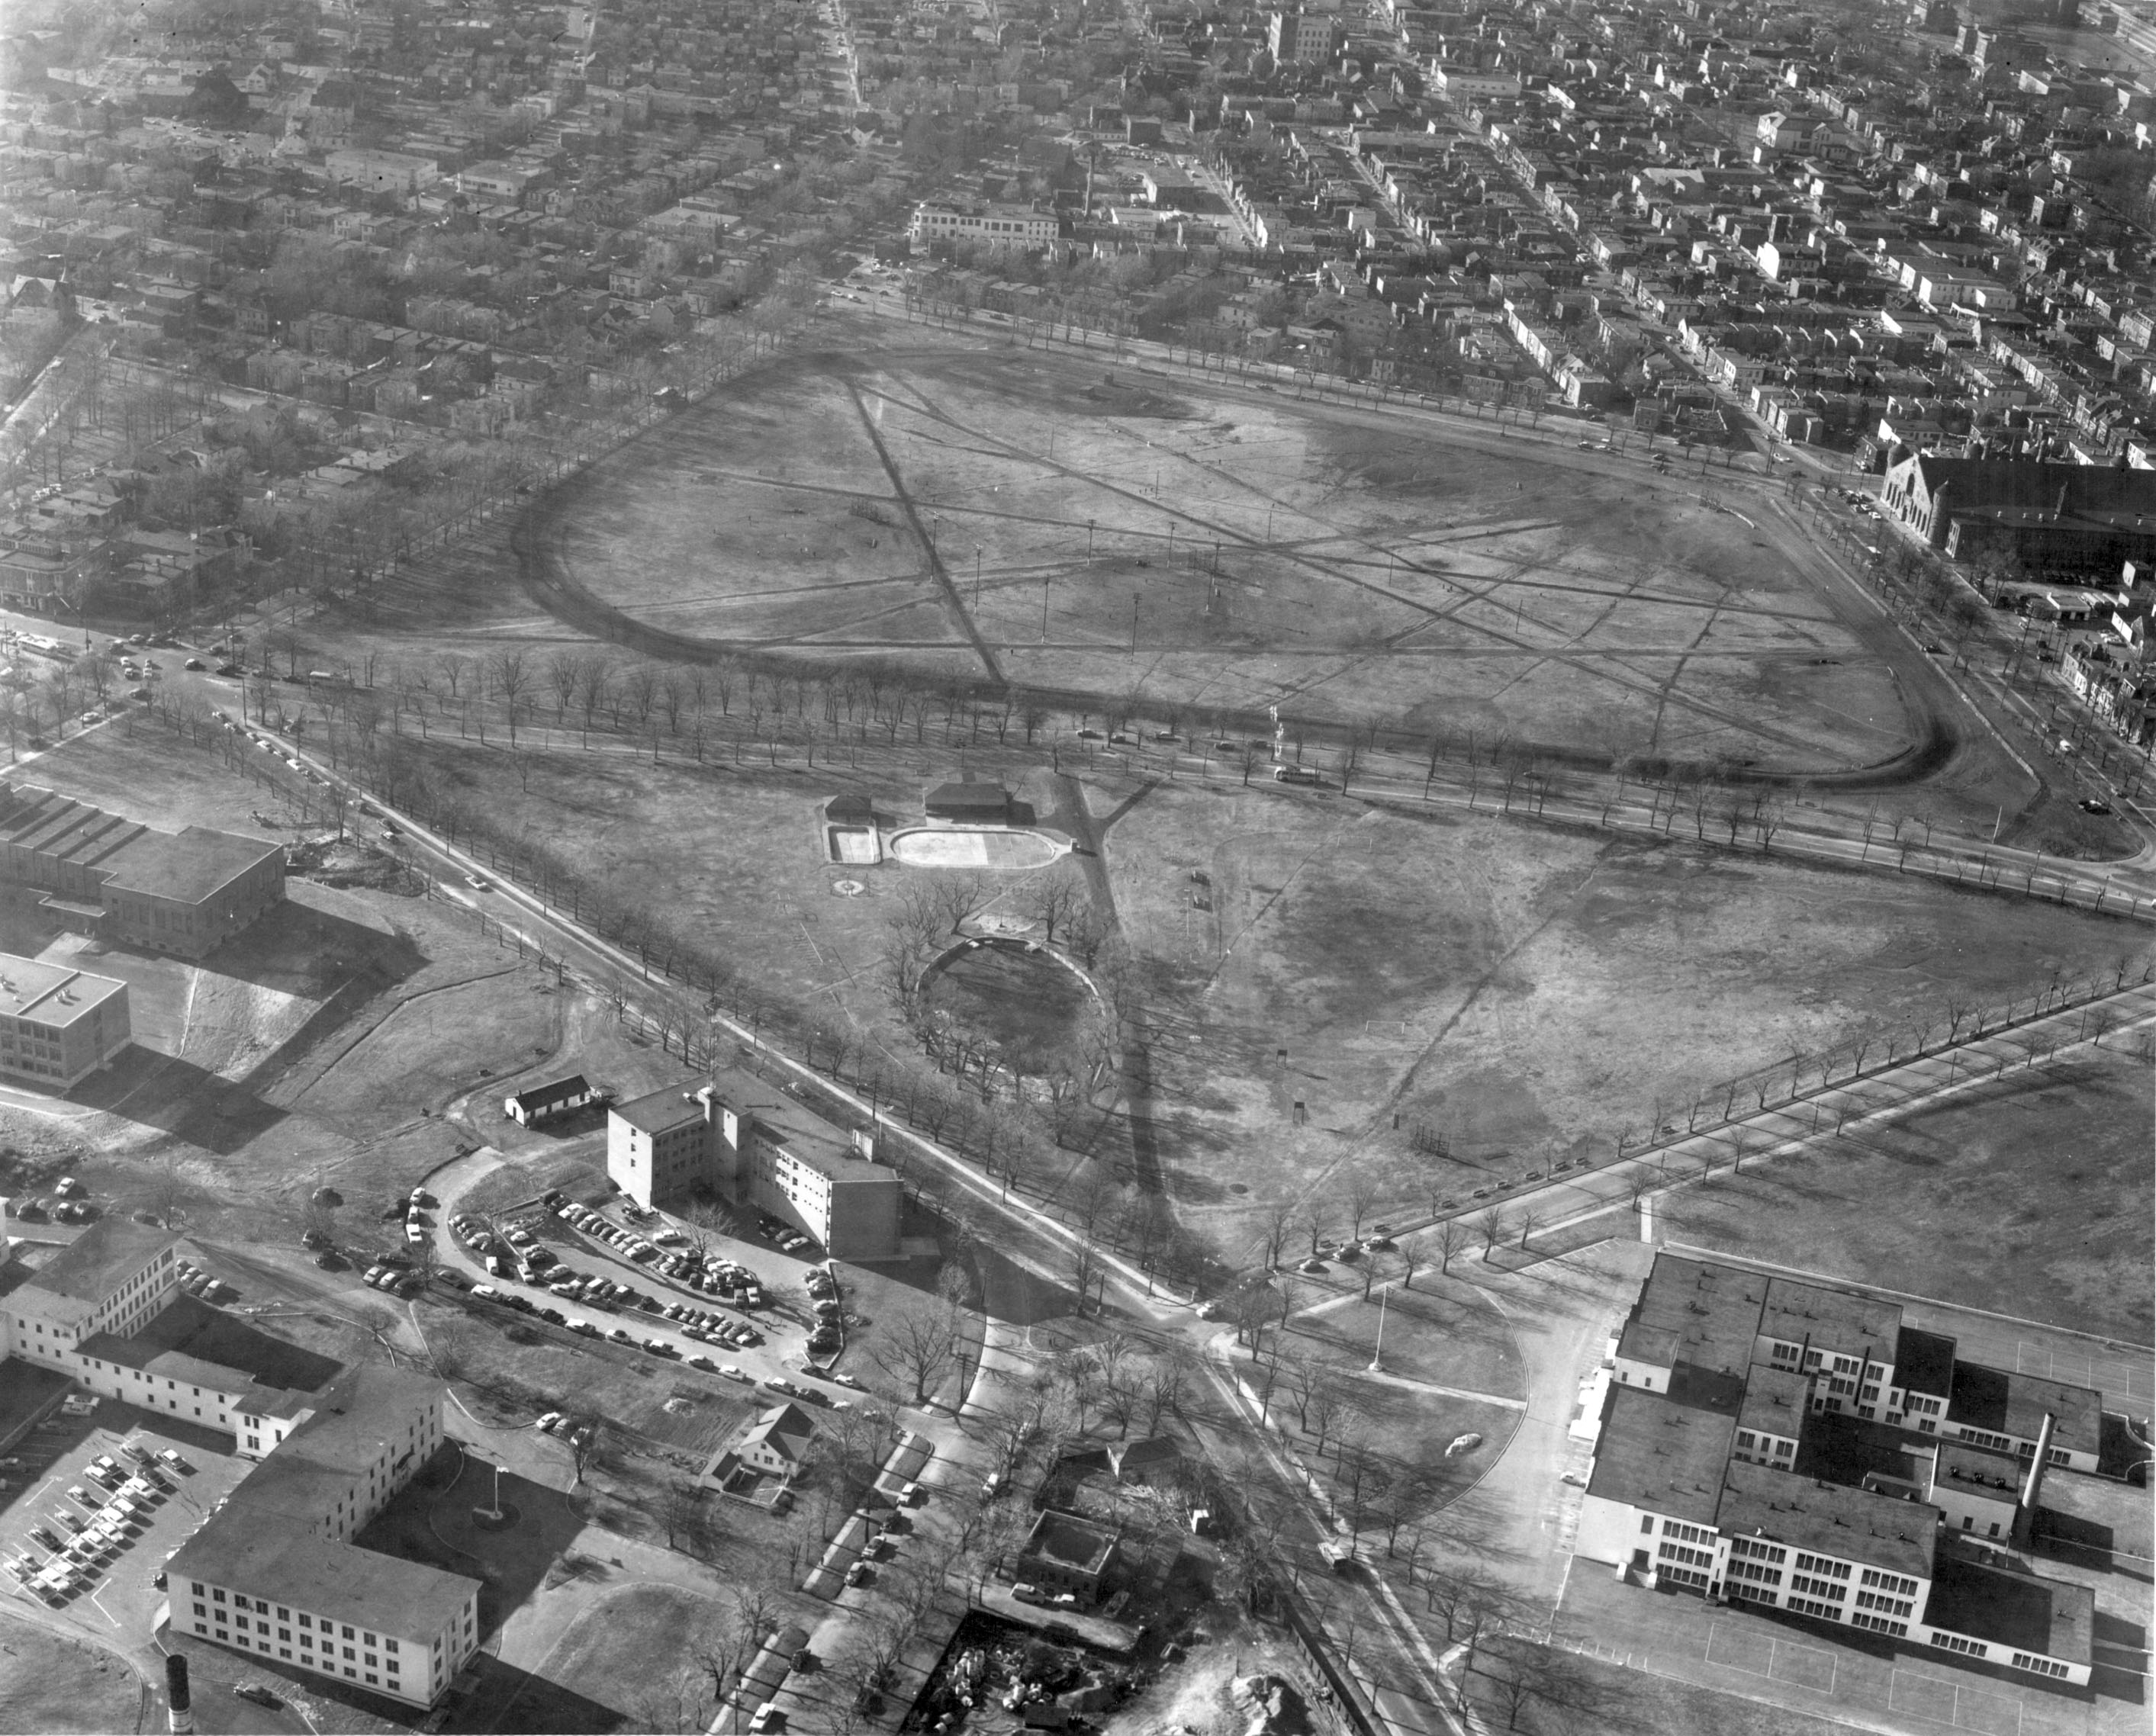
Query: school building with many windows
[{"x": 1789, "y": 1445}]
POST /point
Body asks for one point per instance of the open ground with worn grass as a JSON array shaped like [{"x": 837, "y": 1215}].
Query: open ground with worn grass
[
  {"x": 1096, "y": 528},
  {"x": 48, "y": 1684},
  {"x": 1527, "y": 993},
  {"x": 2030, "y": 1196}
]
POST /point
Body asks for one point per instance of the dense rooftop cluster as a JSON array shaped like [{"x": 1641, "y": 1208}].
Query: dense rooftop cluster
[{"x": 438, "y": 246}]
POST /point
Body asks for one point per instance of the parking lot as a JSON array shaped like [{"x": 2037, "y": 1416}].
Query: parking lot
[
  {"x": 779, "y": 1322},
  {"x": 111, "y": 1553}
]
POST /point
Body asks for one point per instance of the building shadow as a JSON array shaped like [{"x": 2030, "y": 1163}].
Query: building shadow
[
  {"x": 432, "y": 1521},
  {"x": 542, "y": 1706},
  {"x": 179, "y": 1098},
  {"x": 193, "y": 1328}
]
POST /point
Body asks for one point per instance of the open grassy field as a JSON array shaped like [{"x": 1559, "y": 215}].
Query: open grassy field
[
  {"x": 628, "y": 1650},
  {"x": 1099, "y": 528},
  {"x": 2030, "y": 1196},
  {"x": 60, "y": 1685},
  {"x": 1529, "y": 994}
]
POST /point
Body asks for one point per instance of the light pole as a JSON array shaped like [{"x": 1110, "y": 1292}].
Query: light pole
[
  {"x": 1089, "y": 542},
  {"x": 1377, "y": 1349}
]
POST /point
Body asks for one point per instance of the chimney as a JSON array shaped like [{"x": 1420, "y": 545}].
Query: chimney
[{"x": 2025, "y": 1509}]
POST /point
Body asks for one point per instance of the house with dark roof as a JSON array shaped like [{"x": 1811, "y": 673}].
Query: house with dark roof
[
  {"x": 545, "y": 1103},
  {"x": 967, "y": 804}
]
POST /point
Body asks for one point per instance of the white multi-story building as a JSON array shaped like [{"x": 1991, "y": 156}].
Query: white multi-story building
[
  {"x": 1791, "y": 1445},
  {"x": 274, "y": 1574},
  {"x": 741, "y": 1139},
  {"x": 999, "y": 226}
]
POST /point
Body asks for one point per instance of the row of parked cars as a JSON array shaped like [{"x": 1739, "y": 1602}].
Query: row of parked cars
[
  {"x": 82, "y": 1536},
  {"x": 725, "y": 1279},
  {"x": 203, "y": 1285}
]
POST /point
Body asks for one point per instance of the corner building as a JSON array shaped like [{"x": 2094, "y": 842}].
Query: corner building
[{"x": 1784, "y": 1444}]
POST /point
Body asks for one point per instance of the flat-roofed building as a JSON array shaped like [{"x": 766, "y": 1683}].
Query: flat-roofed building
[
  {"x": 1753, "y": 1482},
  {"x": 276, "y": 1575},
  {"x": 2005, "y": 1410},
  {"x": 186, "y": 892},
  {"x": 59, "y": 1025},
  {"x": 1977, "y": 1490},
  {"x": 997, "y": 226},
  {"x": 751, "y": 1142},
  {"x": 1066, "y": 1552}
]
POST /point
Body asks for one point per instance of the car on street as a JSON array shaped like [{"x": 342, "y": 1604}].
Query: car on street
[
  {"x": 1312, "y": 1266},
  {"x": 257, "y": 1692}
]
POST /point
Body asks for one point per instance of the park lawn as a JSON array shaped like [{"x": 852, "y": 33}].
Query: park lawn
[
  {"x": 1527, "y": 993},
  {"x": 1444, "y": 1332},
  {"x": 629, "y": 1652},
  {"x": 2030, "y": 1196},
  {"x": 48, "y": 1684}
]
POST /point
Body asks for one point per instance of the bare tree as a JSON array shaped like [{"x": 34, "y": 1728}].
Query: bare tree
[
  {"x": 1361, "y": 1194},
  {"x": 914, "y": 1346},
  {"x": 563, "y": 670},
  {"x": 1451, "y": 1235},
  {"x": 1490, "y": 1224},
  {"x": 512, "y": 680},
  {"x": 1052, "y": 902}
]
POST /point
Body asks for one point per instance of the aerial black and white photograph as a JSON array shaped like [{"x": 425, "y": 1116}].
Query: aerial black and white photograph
[{"x": 1077, "y": 868}]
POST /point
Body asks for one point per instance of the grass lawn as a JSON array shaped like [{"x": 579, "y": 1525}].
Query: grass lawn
[
  {"x": 55, "y": 1685},
  {"x": 2030, "y": 1196},
  {"x": 1443, "y": 1332},
  {"x": 1585, "y": 1696},
  {"x": 627, "y": 1652}
]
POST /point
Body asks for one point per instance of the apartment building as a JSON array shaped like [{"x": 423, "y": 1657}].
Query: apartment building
[
  {"x": 58, "y": 1025},
  {"x": 1296, "y": 38},
  {"x": 752, "y": 1144},
  {"x": 1775, "y": 1442},
  {"x": 274, "y": 1574}
]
